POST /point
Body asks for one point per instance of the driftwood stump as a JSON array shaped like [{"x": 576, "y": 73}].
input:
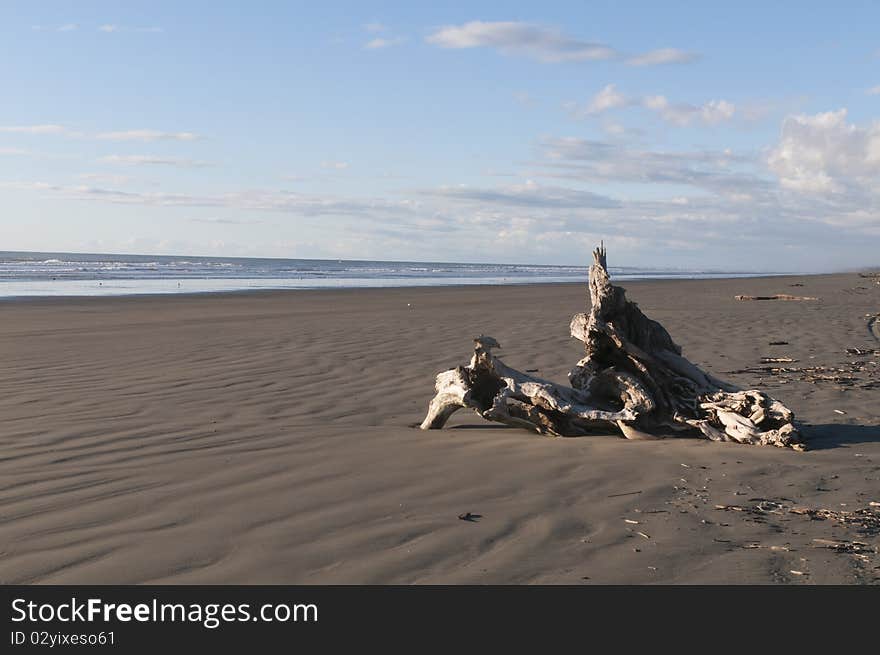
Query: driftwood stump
[{"x": 632, "y": 378}]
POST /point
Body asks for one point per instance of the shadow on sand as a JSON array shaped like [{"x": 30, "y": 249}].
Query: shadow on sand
[
  {"x": 818, "y": 436},
  {"x": 834, "y": 435}
]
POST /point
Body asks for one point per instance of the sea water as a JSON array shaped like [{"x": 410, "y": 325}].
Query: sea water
[{"x": 25, "y": 274}]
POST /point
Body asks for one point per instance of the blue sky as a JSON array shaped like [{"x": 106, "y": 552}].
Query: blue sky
[{"x": 742, "y": 135}]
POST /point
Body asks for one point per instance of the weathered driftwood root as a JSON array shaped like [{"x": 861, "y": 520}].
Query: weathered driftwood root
[{"x": 633, "y": 378}]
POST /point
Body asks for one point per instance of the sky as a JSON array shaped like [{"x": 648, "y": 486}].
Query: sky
[{"x": 726, "y": 136}]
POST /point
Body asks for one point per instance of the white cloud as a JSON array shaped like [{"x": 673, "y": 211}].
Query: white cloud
[
  {"x": 543, "y": 43},
  {"x": 138, "y": 160},
  {"x": 107, "y": 28},
  {"x": 34, "y": 129},
  {"x": 823, "y": 153},
  {"x": 535, "y": 41},
  {"x": 379, "y": 43},
  {"x": 607, "y": 98},
  {"x": 614, "y": 129},
  {"x": 696, "y": 207},
  {"x": 874, "y": 91},
  {"x": 602, "y": 162},
  {"x": 335, "y": 165},
  {"x": 818, "y": 183},
  {"x": 124, "y": 135},
  {"x": 683, "y": 114},
  {"x": 374, "y": 27},
  {"x": 381, "y": 209},
  {"x": 14, "y": 151},
  {"x": 148, "y": 135},
  {"x": 712, "y": 112},
  {"x": 663, "y": 56}
]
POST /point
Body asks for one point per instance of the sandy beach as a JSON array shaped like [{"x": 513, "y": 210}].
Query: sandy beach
[{"x": 267, "y": 438}]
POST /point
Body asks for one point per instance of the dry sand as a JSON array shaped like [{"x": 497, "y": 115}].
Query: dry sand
[{"x": 265, "y": 438}]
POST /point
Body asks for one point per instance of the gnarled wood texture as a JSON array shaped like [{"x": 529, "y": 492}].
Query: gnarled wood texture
[{"x": 633, "y": 378}]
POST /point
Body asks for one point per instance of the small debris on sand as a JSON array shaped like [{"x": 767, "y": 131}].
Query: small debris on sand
[
  {"x": 628, "y": 493},
  {"x": 778, "y": 296},
  {"x": 467, "y": 516},
  {"x": 862, "y": 351},
  {"x": 844, "y": 546}
]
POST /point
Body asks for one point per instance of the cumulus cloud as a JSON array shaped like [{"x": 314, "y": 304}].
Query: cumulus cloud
[
  {"x": 824, "y": 153},
  {"x": 535, "y": 41},
  {"x": 607, "y": 98},
  {"x": 817, "y": 180},
  {"x": 712, "y": 112},
  {"x": 874, "y": 91},
  {"x": 684, "y": 114}
]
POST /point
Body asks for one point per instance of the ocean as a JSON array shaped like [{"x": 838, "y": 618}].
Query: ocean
[{"x": 24, "y": 274}]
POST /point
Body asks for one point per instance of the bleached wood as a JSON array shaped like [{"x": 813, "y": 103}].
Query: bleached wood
[{"x": 633, "y": 378}]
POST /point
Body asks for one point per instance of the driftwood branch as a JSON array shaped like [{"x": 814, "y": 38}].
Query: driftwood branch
[{"x": 633, "y": 378}]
